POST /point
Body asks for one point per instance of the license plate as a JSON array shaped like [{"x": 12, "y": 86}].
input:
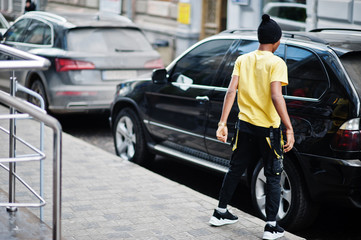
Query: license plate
[{"x": 118, "y": 74}]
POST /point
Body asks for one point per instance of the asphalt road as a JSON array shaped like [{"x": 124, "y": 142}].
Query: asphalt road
[{"x": 332, "y": 223}]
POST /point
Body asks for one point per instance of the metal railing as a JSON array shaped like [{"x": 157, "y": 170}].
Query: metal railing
[{"x": 29, "y": 62}]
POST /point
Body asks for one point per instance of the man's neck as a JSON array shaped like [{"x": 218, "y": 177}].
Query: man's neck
[{"x": 265, "y": 47}]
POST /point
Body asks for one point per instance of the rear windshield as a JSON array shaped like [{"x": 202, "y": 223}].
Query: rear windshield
[
  {"x": 352, "y": 63},
  {"x": 107, "y": 40}
]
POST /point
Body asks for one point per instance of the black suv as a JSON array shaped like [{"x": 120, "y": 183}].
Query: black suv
[{"x": 175, "y": 112}]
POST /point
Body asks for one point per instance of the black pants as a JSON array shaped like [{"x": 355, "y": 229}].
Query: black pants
[{"x": 251, "y": 147}]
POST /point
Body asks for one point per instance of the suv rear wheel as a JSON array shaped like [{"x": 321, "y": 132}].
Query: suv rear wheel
[
  {"x": 129, "y": 140},
  {"x": 296, "y": 211}
]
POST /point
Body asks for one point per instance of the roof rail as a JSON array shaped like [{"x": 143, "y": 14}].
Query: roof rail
[
  {"x": 335, "y": 29},
  {"x": 239, "y": 30},
  {"x": 304, "y": 36},
  {"x": 47, "y": 15},
  {"x": 295, "y": 35}
]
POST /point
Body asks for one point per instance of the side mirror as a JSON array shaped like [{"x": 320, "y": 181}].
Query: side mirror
[
  {"x": 1, "y": 37},
  {"x": 159, "y": 76}
]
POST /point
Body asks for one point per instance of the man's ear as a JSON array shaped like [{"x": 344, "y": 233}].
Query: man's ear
[{"x": 276, "y": 45}]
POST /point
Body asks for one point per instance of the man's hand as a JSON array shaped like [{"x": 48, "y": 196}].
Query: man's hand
[
  {"x": 290, "y": 140},
  {"x": 222, "y": 133},
  {"x": 280, "y": 105}
]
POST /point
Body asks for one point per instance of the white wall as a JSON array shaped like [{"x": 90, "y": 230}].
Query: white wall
[
  {"x": 320, "y": 14},
  {"x": 239, "y": 16},
  {"x": 333, "y": 14}
]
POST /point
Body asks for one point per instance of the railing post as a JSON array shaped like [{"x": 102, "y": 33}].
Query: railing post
[
  {"x": 12, "y": 147},
  {"x": 57, "y": 169}
]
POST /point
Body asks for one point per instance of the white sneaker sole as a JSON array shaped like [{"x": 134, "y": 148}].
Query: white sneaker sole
[
  {"x": 216, "y": 222},
  {"x": 272, "y": 236}
]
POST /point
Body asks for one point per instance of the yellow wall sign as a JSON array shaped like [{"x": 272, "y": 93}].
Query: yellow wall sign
[{"x": 184, "y": 13}]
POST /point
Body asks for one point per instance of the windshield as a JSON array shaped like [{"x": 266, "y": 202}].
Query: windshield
[
  {"x": 352, "y": 62},
  {"x": 107, "y": 40}
]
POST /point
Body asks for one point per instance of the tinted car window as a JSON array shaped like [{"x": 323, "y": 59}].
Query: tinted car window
[
  {"x": 306, "y": 74},
  {"x": 200, "y": 65},
  {"x": 107, "y": 40},
  {"x": 38, "y": 33},
  {"x": 16, "y": 31},
  {"x": 246, "y": 46}
]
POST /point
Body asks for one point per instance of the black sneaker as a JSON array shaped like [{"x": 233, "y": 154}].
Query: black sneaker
[
  {"x": 220, "y": 219},
  {"x": 273, "y": 232}
]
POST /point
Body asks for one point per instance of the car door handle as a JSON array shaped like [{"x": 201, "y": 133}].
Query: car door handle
[{"x": 202, "y": 98}]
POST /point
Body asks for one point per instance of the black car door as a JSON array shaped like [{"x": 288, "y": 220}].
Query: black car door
[
  {"x": 310, "y": 100},
  {"x": 179, "y": 108}
]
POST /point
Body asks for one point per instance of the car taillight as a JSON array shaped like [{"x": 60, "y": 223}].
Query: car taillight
[
  {"x": 63, "y": 64},
  {"x": 158, "y": 63},
  {"x": 348, "y": 137}
]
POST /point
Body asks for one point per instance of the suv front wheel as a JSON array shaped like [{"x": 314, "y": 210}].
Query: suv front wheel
[
  {"x": 129, "y": 140},
  {"x": 296, "y": 210}
]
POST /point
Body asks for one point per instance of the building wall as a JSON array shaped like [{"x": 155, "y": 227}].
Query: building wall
[
  {"x": 11, "y": 9},
  {"x": 81, "y": 3},
  {"x": 320, "y": 14},
  {"x": 333, "y": 14},
  {"x": 158, "y": 19},
  {"x": 244, "y": 16}
]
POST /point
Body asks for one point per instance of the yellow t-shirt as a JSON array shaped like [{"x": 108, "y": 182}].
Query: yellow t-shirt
[{"x": 256, "y": 71}]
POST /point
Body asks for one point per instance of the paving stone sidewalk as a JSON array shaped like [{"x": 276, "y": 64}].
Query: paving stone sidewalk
[{"x": 106, "y": 197}]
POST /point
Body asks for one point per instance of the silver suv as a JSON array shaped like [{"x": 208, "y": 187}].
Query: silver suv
[{"x": 89, "y": 54}]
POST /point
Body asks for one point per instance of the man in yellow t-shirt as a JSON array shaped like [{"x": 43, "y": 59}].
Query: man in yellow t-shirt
[{"x": 258, "y": 76}]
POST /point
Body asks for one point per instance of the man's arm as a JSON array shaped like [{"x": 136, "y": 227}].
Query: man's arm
[
  {"x": 222, "y": 131},
  {"x": 280, "y": 105}
]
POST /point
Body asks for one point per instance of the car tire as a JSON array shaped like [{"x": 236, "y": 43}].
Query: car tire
[
  {"x": 296, "y": 210},
  {"x": 129, "y": 139},
  {"x": 38, "y": 87}
]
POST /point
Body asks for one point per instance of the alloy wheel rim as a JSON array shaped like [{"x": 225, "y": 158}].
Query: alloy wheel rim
[
  {"x": 286, "y": 194},
  {"x": 125, "y": 138}
]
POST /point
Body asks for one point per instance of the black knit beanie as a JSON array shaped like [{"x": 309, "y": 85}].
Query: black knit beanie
[{"x": 268, "y": 31}]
